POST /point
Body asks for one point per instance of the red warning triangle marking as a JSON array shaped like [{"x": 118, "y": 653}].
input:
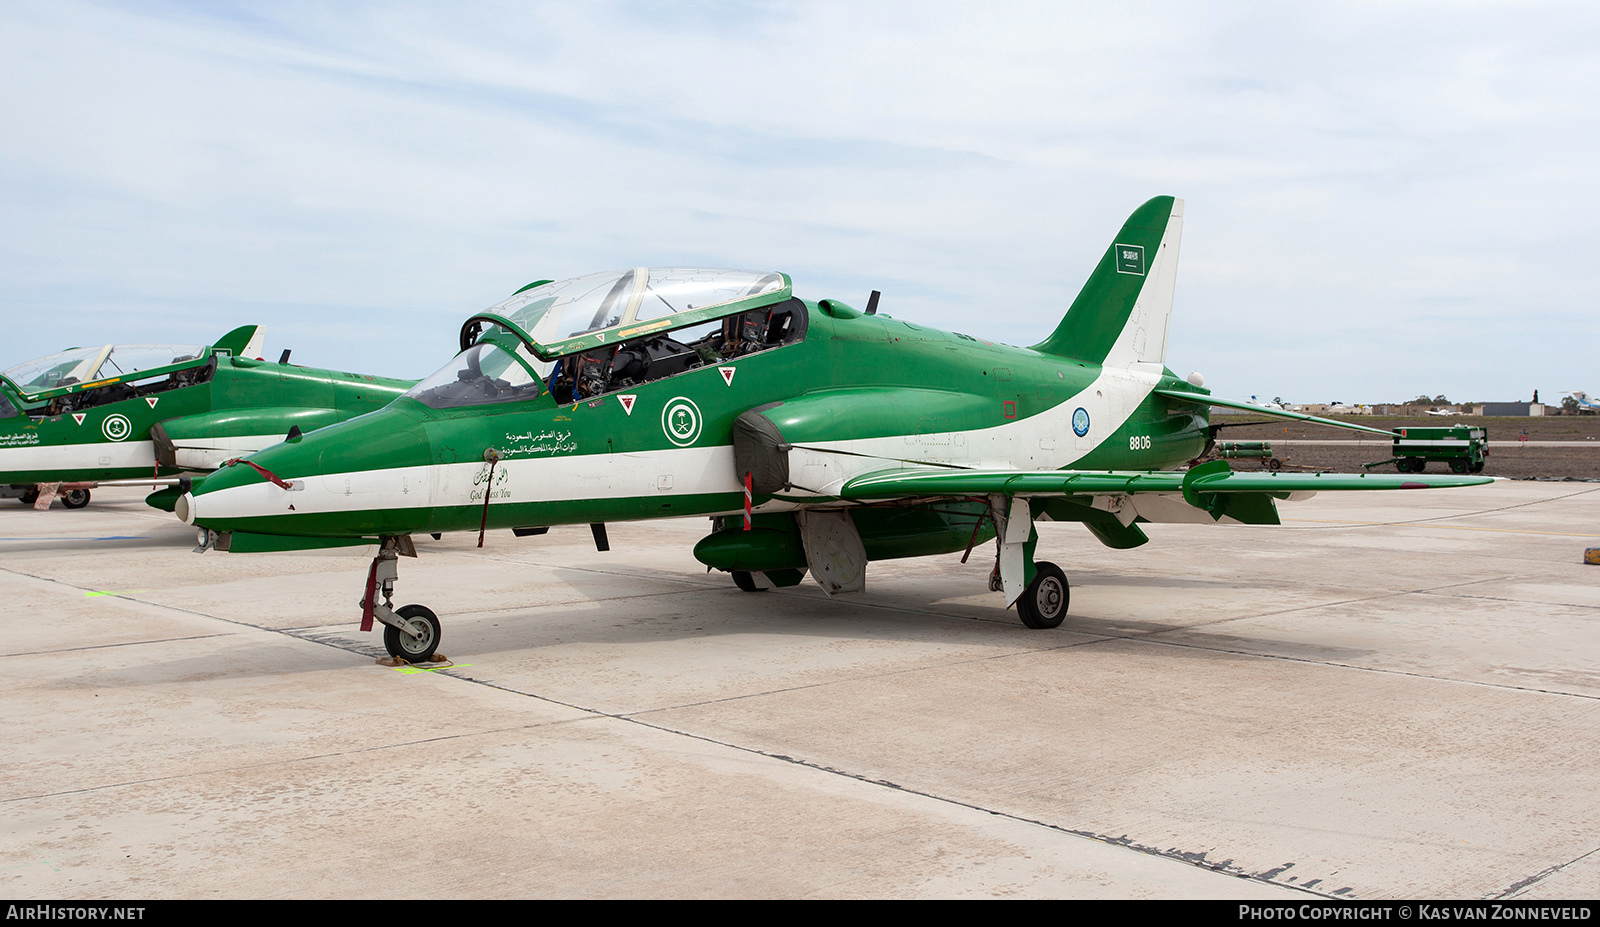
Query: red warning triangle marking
[
  {"x": 627, "y": 402},
  {"x": 78, "y": 417},
  {"x": 152, "y": 400},
  {"x": 727, "y": 374}
]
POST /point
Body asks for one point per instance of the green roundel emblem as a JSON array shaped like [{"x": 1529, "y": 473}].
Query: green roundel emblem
[
  {"x": 681, "y": 421},
  {"x": 1080, "y": 422},
  {"x": 116, "y": 427}
]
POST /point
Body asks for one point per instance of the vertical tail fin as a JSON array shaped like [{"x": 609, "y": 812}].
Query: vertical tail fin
[{"x": 1122, "y": 313}]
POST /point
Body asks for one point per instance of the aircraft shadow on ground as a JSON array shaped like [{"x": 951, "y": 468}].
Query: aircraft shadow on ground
[
  {"x": 83, "y": 544},
  {"x": 926, "y": 610}
]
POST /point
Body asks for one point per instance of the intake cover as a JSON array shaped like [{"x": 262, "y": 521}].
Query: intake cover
[{"x": 759, "y": 450}]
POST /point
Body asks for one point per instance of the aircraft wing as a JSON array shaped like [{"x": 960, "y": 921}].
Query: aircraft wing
[
  {"x": 1207, "y": 478},
  {"x": 1206, "y": 400}
]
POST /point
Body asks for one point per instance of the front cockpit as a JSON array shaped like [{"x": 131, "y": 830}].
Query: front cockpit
[{"x": 585, "y": 337}]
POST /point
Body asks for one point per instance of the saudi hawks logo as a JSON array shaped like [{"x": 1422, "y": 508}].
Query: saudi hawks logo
[{"x": 1080, "y": 422}]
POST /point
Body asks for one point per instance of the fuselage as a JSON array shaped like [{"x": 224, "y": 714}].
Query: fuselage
[{"x": 858, "y": 394}]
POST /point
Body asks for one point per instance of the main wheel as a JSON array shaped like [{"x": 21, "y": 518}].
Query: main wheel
[
  {"x": 30, "y": 495},
  {"x": 75, "y": 498},
  {"x": 1478, "y": 467},
  {"x": 1044, "y": 603},
  {"x": 1459, "y": 466},
  {"x": 413, "y": 649},
  {"x": 745, "y": 581}
]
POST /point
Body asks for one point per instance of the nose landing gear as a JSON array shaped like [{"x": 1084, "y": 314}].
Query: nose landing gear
[{"x": 412, "y": 633}]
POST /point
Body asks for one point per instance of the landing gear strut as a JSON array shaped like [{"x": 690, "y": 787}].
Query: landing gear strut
[
  {"x": 411, "y": 633},
  {"x": 1042, "y": 602}
]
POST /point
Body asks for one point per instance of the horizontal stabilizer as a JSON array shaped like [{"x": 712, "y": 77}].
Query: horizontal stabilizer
[{"x": 1205, "y": 400}]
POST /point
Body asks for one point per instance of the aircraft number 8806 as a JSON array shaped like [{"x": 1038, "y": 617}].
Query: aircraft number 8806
[{"x": 1139, "y": 443}]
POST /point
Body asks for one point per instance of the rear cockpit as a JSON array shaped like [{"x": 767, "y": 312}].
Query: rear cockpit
[
  {"x": 580, "y": 338},
  {"x": 81, "y": 378}
]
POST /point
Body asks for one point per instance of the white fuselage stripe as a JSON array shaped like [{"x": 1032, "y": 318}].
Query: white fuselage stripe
[{"x": 193, "y": 453}]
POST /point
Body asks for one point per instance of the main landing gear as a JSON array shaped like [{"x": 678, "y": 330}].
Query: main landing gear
[
  {"x": 1042, "y": 600},
  {"x": 1043, "y": 604},
  {"x": 410, "y": 633}
]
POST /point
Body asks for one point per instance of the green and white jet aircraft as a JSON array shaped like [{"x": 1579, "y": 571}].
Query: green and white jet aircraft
[
  {"x": 818, "y": 437},
  {"x": 149, "y": 412}
]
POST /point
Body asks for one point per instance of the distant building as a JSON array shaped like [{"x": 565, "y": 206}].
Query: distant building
[{"x": 1512, "y": 408}]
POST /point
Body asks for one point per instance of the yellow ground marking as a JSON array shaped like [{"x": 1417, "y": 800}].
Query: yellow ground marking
[{"x": 408, "y": 669}]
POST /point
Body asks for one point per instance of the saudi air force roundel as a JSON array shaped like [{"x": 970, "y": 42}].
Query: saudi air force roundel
[{"x": 681, "y": 421}]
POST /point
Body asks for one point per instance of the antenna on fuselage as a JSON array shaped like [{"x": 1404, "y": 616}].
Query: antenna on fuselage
[{"x": 872, "y": 303}]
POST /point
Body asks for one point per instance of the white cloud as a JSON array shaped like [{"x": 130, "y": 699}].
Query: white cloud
[{"x": 1383, "y": 199}]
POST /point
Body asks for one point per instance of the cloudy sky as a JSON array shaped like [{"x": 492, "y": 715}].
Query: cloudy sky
[{"x": 1382, "y": 199}]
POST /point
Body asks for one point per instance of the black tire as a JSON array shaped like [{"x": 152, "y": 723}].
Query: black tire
[
  {"x": 1478, "y": 467},
  {"x": 413, "y": 650},
  {"x": 75, "y": 498},
  {"x": 1274, "y": 464},
  {"x": 745, "y": 581},
  {"x": 30, "y": 495},
  {"x": 1044, "y": 603},
  {"x": 1459, "y": 466}
]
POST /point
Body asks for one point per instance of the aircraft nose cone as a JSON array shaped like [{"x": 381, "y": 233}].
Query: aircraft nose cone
[{"x": 368, "y": 476}]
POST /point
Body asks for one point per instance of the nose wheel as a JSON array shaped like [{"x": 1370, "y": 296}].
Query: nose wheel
[{"x": 418, "y": 645}]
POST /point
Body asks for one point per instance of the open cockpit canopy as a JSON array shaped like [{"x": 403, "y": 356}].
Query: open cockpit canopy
[
  {"x": 554, "y": 318},
  {"x": 82, "y": 368}
]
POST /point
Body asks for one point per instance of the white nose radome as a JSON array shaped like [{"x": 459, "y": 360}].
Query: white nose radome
[{"x": 184, "y": 508}]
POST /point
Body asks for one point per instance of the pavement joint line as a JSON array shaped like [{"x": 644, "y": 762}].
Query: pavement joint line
[
  {"x": 1377, "y": 669},
  {"x": 229, "y": 770},
  {"x": 165, "y": 640},
  {"x": 1501, "y": 598},
  {"x": 1173, "y": 854},
  {"x": 1420, "y": 521},
  {"x": 1333, "y": 523},
  {"x": 1543, "y": 874},
  {"x": 633, "y": 718}
]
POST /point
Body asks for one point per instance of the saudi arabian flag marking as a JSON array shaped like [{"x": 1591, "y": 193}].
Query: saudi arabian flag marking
[{"x": 1130, "y": 259}]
